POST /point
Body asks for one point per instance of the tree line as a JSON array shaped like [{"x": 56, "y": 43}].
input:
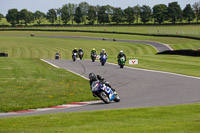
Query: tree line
[{"x": 88, "y": 14}]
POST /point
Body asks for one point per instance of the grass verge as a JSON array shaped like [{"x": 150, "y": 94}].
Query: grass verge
[
  {"x": 171, "y": 119},
  {"x": 31, "y": 83}
]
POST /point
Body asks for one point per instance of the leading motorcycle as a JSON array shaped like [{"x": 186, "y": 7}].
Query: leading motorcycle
[{"x": 104, "y": 92}]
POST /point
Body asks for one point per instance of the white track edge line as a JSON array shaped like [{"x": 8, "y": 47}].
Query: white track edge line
[
  {"x": 66, "y": 69},
  {"x": 156, "y": 71}
]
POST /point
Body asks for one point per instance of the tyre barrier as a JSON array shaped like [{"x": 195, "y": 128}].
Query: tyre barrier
[
  {"x": 3, "y": 55},
  {"x": 186, "y": 52}
]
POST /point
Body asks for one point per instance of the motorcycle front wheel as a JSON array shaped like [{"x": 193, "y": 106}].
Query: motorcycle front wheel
[{"x": 117, "y": 99}]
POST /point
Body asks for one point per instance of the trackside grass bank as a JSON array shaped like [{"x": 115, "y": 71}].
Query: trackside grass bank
[
  {"x": 175, "y": 43},
  {"x": 171, "y": 119},
  {"x": 31, "y": 83},
  {"x": 179, "y": 30}
]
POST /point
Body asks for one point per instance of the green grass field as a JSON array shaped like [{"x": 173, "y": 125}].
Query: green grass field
[
  {"x": 26, "y": 82},
  {"x": 171, "y": 119}
]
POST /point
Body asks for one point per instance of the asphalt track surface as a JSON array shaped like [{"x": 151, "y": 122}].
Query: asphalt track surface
[
  {"x": 136, "y": 87},
  {"x": 158, "y": 46}
]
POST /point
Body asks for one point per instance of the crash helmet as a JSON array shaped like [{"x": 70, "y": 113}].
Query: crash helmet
[
  {"x": 121, "y": 51},
  {"x": 80, "y": 48},
  {"x": 92, "y": 77},
  {"x": 103, "y": 50},
  {"x": 75, "y": 48},
  {"x": 93, "y": 49},
  {"x": 57, "y": 53}
]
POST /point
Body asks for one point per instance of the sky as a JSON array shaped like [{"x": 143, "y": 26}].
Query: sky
[{"x": 45, "y": 5}]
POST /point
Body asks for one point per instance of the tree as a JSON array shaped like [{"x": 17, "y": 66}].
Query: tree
[
  {"x": 145, "y": 13},
  {"x": 39, "y": 16},
  {"x": 26, "y": 16},
  {"x": 71, "y": 8},
  {"x": 109, "y": 11},
  {"x": 118, "y": 15},
  {"x": 65, "y": 14},
  {"x": 174, "y": 12},
  {"x": 137, "y": 10},
  {"x": 188, "y": 13},
  {"x": 59, "y": 12},
  {"x": 78, "y": 15},
  {"x": 129, "y": 15},
  {"x": 102, "y": 15},
  {"x": 92, "y": 15},
  {"x": 160, "y": 13},
  {"x": 196, "y": 7},
  {"x": 51, "y": 15},
  {"x": 1, "y": 16},
  {"x": 13, "y": 16},
  {"x": 84, "y": 6}
]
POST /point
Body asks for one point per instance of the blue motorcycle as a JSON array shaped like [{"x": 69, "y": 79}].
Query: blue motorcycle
[
  {"x": 103, "y": 59},
  {"x": 104, "y": 92}
]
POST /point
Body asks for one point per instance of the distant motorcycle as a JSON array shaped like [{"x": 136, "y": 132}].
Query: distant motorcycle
[
  {"x": 103, "y": 59},
  {"x": 80, "y": 54},
  {"x": 104, "y": 92},
  {"x": 74, "y": 56},
  {"x": 57, "y": 56},
  {"x": 121, "y": 62},
  {"x": 93, "y": 57}
]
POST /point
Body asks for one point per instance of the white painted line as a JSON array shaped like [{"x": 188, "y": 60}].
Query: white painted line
[
  {"x": 158, "y": 71},
  {"x": 49, "y": 63},
  {"x": 67, "y": 69}
]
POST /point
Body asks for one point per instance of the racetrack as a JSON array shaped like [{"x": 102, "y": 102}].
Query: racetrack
[
  {"x": 136, "y": 87},
  {"x": 158, "y": 46}
]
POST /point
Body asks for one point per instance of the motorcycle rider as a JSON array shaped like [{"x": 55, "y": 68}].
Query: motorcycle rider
[
  {"x": 57, "y": 54},
  {"x": 93, "y": 51},
  {"x": 80, "y": 50},
  {"x": 99, "y": 78},
  {"x": 75, "y": 51},
  {"x": 103, "y": 53},
  {"x": 121, "y": 54}
]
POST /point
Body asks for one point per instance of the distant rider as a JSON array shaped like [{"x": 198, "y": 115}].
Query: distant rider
[
  {"x": 103, "y": 53},
  {"x": 57, "y": 54},
  {"x": 93, "y": 51},
  {"x": 94, "y": 78},
  {"x": 75, "y": 51},
  {"x": 80, "y": 50},
  {"x": 121, "y": 54}
]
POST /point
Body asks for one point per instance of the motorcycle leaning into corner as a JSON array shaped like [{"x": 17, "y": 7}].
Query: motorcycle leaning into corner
[{"x": 104, "y": 92}]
